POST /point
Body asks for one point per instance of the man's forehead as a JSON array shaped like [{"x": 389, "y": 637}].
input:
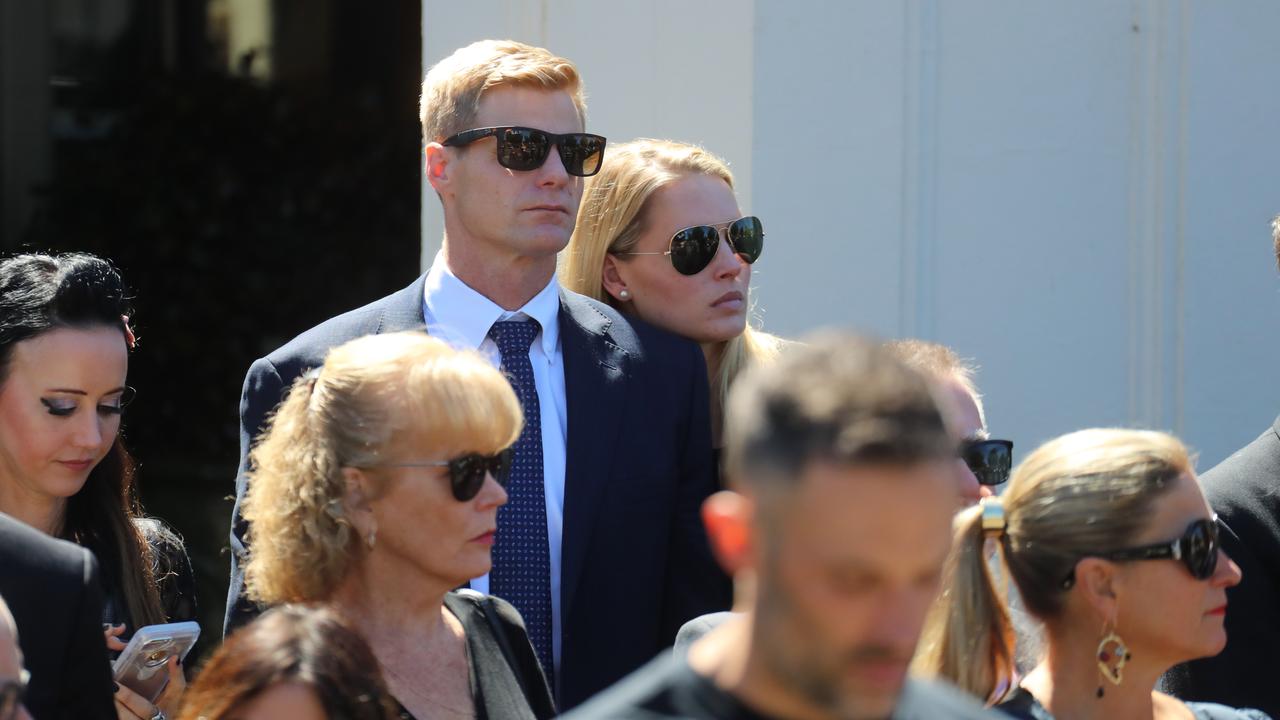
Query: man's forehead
[{"x": 540, "y": 108}]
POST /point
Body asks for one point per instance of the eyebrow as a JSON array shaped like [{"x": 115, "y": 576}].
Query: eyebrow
[{"x": 73, "y": 391}]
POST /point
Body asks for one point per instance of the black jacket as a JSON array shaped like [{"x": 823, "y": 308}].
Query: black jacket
[{"x": 53, "y": 591}]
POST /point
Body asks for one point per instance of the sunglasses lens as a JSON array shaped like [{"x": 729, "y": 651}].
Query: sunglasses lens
[
  {"x": 990, "y": 460},
  {"x": 746, "y": 235},
  {"x": 500, "y": 466},
  {"x": 1200, "y": 549},
  {"x": 522, "y": 148},
  {"x": 693, "y": 248},
  {"x": 582, "y": 154},
  {"x": 467, "y": 475}
]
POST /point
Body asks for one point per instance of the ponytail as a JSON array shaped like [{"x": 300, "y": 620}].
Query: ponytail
[{"x": 968, "y": 638}]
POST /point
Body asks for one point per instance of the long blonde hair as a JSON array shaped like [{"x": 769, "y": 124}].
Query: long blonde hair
[
  {"x": 1081, "y": 493},
  {"x": 371, "y": 394},
  {"x": 612, "y": 218}
]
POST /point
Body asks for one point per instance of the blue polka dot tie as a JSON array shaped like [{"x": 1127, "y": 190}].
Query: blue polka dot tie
[{"x": 521, "y": 572}]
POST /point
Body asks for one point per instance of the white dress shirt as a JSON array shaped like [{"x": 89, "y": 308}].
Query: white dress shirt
[{"x": 461, "y": 317}]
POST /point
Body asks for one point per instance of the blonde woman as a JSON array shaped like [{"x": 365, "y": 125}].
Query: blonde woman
[
  {"x": 660, "y": 236},
  {"x": 375, "y": 491},
  {"x": 1111, "y": 544}
]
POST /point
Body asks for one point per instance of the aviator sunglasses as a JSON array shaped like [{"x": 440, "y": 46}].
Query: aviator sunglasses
[
  {"x": 1197, "y": 549},
  {"x": 693, "y": 248},
  {"x": 522, "y": 148},
  {"x": 467, "y": 472},
  {"x": 990, "y": 460}
]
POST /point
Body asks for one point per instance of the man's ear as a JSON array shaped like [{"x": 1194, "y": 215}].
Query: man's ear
[
  {"x": 611, "y": 278},
  {"x": 436, "y": 165},
  {"x": 727, "y": 516}
]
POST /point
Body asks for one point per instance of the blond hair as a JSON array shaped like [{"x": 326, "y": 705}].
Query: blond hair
[
  {"x": 940, "y": 363},
  {"x": 372, "y": 397},
  {"x": 453, "y": 87},
  {"x": 1082, "y": 493},
  {"x": 613, "y": 216}
]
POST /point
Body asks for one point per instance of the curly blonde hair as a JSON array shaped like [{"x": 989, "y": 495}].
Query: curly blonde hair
[{"x": 371, "y": 397}]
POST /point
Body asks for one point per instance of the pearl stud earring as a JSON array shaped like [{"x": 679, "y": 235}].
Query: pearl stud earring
[{"x": 624, "y": 294}]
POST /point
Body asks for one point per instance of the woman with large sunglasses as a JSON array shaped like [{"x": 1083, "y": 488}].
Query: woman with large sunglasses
[
  {"x": 660, "y": 236},
  {"x": 375, "y": 490},
  {"x": 1111, "y": 545},
  {"x": 64, "y": 470}
]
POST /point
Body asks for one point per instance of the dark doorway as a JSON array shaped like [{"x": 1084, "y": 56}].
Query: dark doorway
[{"x": 252, "y": 166}]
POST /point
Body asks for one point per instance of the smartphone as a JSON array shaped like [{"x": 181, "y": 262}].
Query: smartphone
[{"x": 141, "y": 665}]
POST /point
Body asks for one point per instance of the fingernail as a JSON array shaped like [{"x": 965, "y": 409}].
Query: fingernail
[
  {"x": 116, "y": 686},
  {"x": 106, "y": 627}
]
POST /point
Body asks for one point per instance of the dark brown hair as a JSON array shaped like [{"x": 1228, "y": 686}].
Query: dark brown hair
[
  {"x": 309, "y": 645},
  {"x": 38, "y": 294}
]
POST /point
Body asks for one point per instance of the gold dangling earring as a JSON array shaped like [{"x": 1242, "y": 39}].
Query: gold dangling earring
[{"x": 1112, "y": 656}]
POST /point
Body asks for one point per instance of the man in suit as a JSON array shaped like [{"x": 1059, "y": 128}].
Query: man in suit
[
  {"x": 600, "y": 546},
  {"x": 53, "y": 591},
  {"x": 843, "y": 489},
  {"x": 1244, "y": 490}
]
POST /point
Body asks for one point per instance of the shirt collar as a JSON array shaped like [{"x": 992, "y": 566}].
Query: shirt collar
[{"x": 470, "y": 314}]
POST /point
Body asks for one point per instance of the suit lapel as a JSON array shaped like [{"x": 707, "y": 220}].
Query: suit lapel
[
  {"x": 595, "y": 398},
  {"x": 404, "y": 309}
]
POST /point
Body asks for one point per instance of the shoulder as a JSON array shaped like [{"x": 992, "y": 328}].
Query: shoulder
[
  {"x": 639, "y": 339},
  {"x": 1214, "y": 711},
  {"x": 924, "y": 700},
  {"x": 648, "y": 694},
  {"x": 1256, "y": 464},
  {"x": 308, "y": 349},
  {"x": 163, "y": 540},
  {"x": 27, "y": 554},
  {"x": 693, "y": 630}
]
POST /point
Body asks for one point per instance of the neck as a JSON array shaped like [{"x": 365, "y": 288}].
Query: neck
[
  {"x": 45, "y": 513},
  {"x": 713, "y": 353},
  {"x": 510, "y": 281},
  {"x": 390, "y": 603},
  {"x": 1067, "y": 683},
  {"x": 731, "y": 657}
]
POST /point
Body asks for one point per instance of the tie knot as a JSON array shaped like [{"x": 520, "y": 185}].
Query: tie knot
[{"x": 514, "y": 336}]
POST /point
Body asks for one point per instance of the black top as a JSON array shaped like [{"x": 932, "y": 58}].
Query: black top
[
  {"x": 506, "y": 681},
  {"x": 173, "y": 574},
  {"x": 669, "y": 688},
  {"x": 52, "y": 589},
  {"x": 1024, "y": 706}
]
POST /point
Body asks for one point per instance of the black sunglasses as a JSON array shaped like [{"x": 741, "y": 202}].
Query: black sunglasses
[
  {"x": 1197, "y": 549},
  {"x": 990, "y": 460},
  {"x": 12, "y": 693},
  {"x": 693, "y": 248},
  {"x": 522, "y": 148},
  {"x": 467, "y": 472}
]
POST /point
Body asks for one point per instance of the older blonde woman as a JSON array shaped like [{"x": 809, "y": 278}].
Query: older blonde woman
[
  {"x": 376, "y": 489},
  {"x": 1111, "y": 544},
  {"x": 660, "y": 237}
]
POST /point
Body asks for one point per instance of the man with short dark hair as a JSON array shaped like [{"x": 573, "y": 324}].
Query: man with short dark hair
[
  {"x": 1244, "y": 490},
  {"x": 842, "y": 471}
]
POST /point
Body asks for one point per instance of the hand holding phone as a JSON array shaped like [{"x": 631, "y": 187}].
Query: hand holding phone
[{"x": 141, "y": 666}]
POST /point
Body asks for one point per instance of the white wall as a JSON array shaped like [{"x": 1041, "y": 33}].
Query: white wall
[{"x": 1076, "y": 194}]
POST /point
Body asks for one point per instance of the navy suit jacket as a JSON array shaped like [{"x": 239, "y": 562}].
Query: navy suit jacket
[
  {"x": 52, "y": 589},
  {"x": 1244, "y": 490},
  {"x": 635, "y": 559}
]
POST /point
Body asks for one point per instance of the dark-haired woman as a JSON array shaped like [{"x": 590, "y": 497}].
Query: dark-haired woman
[
  {"x": 296, "y": 662},
  {"x": 64, "y": 356},
  {"x": 1111, "y": 544}
]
